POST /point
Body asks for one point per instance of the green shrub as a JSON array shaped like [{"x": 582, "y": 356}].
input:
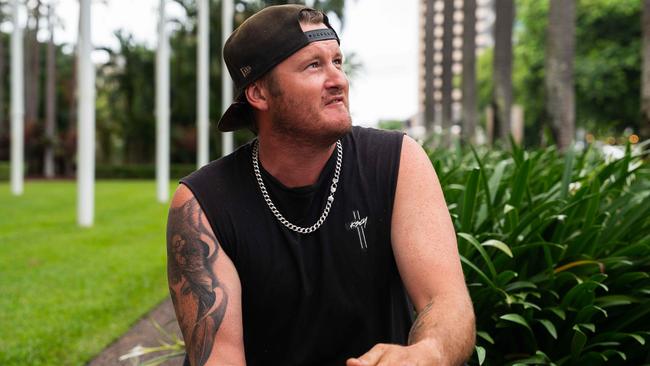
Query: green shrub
[
  {"x": 556, "y": 253},
  {"x": 140, "y": 171}
]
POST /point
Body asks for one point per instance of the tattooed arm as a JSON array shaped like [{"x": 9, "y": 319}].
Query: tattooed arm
[
  {"x": 204, "y": 286},
  {"x": 424, "y": 244}
]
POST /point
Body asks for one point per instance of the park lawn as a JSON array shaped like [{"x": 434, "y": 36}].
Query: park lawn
[{"x": 67, "y": 292}]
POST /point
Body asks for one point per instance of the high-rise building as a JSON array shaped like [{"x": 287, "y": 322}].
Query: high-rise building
[{"x": 431, "y": 56}]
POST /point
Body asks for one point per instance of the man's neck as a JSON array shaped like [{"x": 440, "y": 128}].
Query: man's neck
[{"x": 291, "y": 163}]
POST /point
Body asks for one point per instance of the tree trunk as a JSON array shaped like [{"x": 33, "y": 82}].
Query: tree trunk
[
  {"x": 70, "y": 135},
  {"x": 3, "y": 125},
  {"x": 645, "y": 79},
  {"x": 50, "y": 102},
  {"x": 469, "y": 71},
  {"x": 429, "y": 37},
  {"x": 447, "y": 62},
  {"x": 32, "y": 69},
  {"x": 560, "y": 49},
  {"x": 502, "y": 95}
]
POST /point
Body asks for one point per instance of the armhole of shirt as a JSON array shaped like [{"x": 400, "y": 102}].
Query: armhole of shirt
[
  {"x": 215, "y": 231},
  {"x": 398, "y": 161}
]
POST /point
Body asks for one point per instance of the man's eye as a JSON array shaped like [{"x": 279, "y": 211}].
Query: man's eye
[
  {"x": 313, "y": 65},
  {"x": 338, "y": 61}
]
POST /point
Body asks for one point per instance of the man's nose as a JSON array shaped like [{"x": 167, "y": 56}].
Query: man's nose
[{"x": 336, "y": 78}]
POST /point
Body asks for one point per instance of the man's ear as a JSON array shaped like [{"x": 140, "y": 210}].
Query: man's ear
[{"x": 256, "y": 94}]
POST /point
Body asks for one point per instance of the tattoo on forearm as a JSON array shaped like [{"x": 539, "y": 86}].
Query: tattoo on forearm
[
  {"x": 191, "y": 253},
  {"x": 416, "y": 328}
]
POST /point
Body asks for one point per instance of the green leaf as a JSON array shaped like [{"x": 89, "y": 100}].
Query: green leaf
[
  {"x": 526, "y": 223},
  {"x": 495, "y": 180},
  {"x": 549, "y": 327},
  {"x": 580, "y": 295},
  {"x": 516, "y": 318},
  {"x": 485, "y": 336},
  {"x": 504, "y": 277},
  {"x": 614, "y": 300},
  {"x": 559, "y": 312},
  {"x": 499, "y": 245},
  {"x": 519, "y": 285},
  {"x": 585, "y": 314},
  {"x": 469, "y": 200},
  {"x": 612, "y": 352},
  {"x": 480, "y": 354},
  {"x": 470, "y": 239},
  {"x": 578, "y": 342},
  {"x": 593, "y": 204},
  {"x": 484, "y": 181},
  {"x": 533, "y": 360},
  {"x": 520, "y": 184},
  {"x": 568, "y": 168},
  {"x": 602, "y": 344},
  {"x": 637, "y": 337},
  {"x": 627, "y": 278},
  {"x": 478, "y": 272},
  {"x": 589, "y": 326},
  {"x": 626, "y": 220},
  {"x": 632, "y": 315}
]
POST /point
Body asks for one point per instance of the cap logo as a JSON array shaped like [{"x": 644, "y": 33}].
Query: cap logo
[{"x": 245, "y": 71}]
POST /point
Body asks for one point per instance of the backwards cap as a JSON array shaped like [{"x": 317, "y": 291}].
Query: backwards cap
[{"x": 259, "y": 44}]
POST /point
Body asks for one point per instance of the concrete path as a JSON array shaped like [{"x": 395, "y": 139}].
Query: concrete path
[{"x": 142, "y": 333}]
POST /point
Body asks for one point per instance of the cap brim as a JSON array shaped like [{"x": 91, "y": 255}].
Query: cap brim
[{"x": 239, "y": 115}]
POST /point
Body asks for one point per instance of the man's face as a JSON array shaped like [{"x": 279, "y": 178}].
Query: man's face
[{"x": 309, "y": 94}]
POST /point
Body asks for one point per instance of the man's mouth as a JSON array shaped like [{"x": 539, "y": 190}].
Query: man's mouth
[{"x": 334, "y": 100}]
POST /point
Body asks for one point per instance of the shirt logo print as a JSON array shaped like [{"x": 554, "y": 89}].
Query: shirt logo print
[{"x": 359, "y": 224}]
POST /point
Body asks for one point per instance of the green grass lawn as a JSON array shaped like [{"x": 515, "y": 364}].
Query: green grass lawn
[{"x": 67, "y": 292}]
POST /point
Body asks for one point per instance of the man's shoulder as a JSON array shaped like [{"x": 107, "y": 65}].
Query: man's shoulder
[
  {"x": 223, "y": 170},
  {"x": 374, "y": 140},
  {"x": 371, "y": 132}
]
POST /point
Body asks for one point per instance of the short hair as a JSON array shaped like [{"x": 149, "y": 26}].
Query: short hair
[{"x": 311, "y": 16}]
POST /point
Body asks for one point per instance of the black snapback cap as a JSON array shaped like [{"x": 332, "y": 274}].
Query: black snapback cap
[{"x": 259, "y": 44}]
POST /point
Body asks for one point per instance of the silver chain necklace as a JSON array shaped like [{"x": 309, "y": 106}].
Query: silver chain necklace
[{"x": 276, "y": 212}]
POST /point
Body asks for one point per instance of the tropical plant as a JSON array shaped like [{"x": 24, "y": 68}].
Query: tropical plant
[
  {"x": 556, "y": 252},
  {"x": 607, "y": 65}
]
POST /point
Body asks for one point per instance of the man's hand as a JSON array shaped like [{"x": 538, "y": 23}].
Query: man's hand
[{"x": 423, "y": 353}]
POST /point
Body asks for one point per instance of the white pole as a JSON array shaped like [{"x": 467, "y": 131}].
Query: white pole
[
  {"x": 202, "y": 84},
  {"x": 227, "y": 11},
  {"x": 17, "y": 105},
  {"x": 85, "y": 120},
  {"x": 162, "y": 109}
]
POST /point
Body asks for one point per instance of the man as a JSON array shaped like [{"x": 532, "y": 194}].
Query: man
[{"x": 305, "y": 246}]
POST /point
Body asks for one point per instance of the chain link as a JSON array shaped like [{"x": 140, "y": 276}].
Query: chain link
[{"x": 276, "y": 212}]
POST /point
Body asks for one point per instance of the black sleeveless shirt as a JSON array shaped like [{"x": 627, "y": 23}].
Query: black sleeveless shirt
[{"x": 319, "y": 298}]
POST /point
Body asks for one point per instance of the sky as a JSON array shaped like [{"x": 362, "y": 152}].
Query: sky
[{"x": 383, "y": 35}]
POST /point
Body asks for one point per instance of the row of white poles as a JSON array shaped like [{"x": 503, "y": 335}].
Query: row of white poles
[
  {"x": 17, "y": 103},
  {"x": 227, "y": 11},
  {"x": 86, "y": 104},
  {"x": 85, "y": 120},
  {"x": 202, "y": 83},
  {"x": 162, "y": 108}
]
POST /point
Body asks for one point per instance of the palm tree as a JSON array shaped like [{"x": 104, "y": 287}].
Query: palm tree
[
  {"x": 50, "y": 101},
  {"x": 469, "y": 70},
  {"x": 560, "y": 50},
  {"x": 502, "y": 95},
  {"x": 32, "y": 64},
  {"x": 645, "y": 80}
]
